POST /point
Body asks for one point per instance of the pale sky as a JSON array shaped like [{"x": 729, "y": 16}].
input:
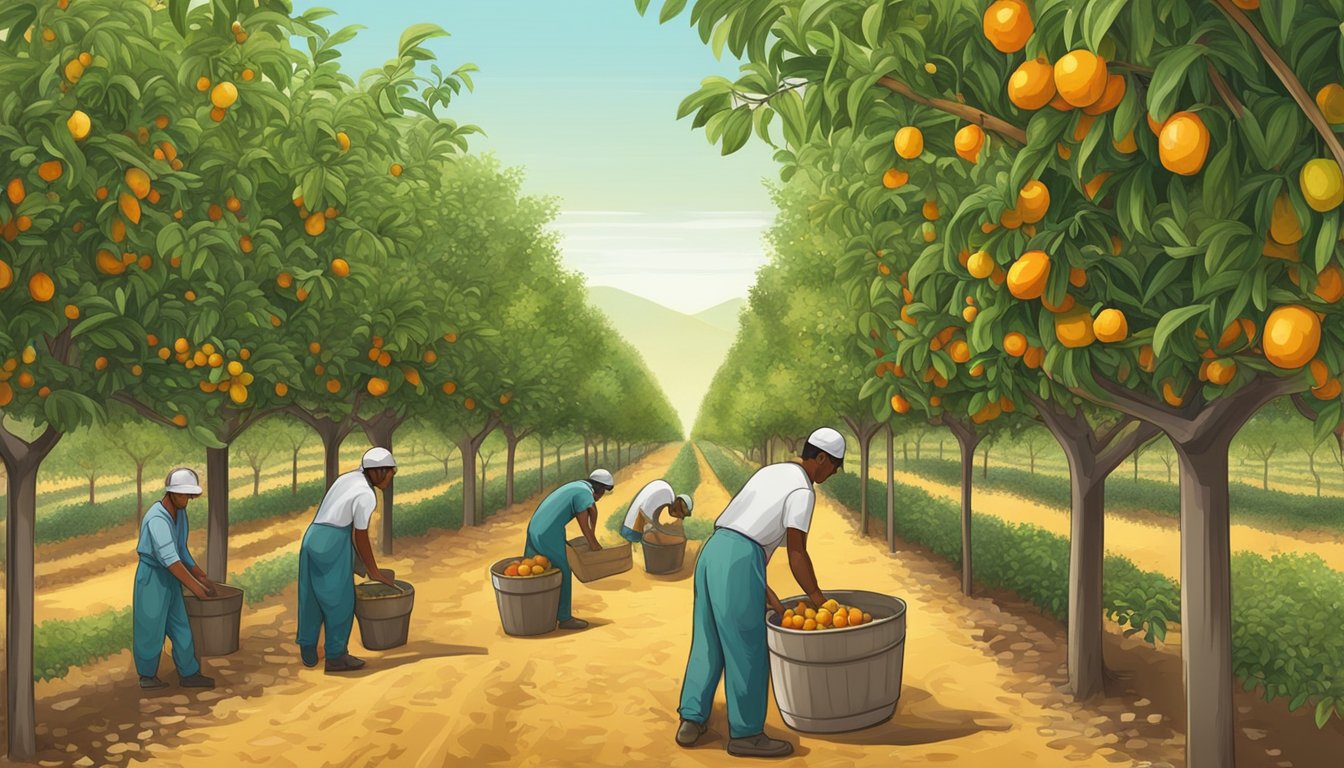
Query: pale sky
[{"x": 583, "y": 95}]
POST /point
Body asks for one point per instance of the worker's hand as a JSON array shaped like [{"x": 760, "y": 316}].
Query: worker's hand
[
  {"x": 198, "y": 591},
  {"x": 776, "y": 606},
  {"x": 817, "y": 600},
  {"x": 382, "y": 577},
  {"x": 209, "y": 587},
  {"x": 594, "y": 546}
]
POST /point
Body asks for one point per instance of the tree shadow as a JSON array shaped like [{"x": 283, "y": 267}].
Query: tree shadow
[
  {"x": 920, "y": 719},
  {"x": 413, "y": 653}
]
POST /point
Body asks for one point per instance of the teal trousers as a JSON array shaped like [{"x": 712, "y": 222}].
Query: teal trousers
[
  {"x": 728, "y": 634},
  {"x": 326, "y": 588},
  {"x": 551, "y": 543},
  {"x": 157, "y": 611}
]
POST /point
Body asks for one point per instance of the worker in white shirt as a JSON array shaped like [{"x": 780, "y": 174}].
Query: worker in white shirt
[
  {"x": 731, "y": 595},
  {"x": 326, "y": 563},
  {"x": 649, "y": 504}
]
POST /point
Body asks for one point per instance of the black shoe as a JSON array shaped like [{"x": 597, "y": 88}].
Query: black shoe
[
  {"x": 308, "y": 653},
  {"x": 759, "y": 745},
  {"x": 689, "y": 732},
  {"x": 151, "y": 683},
  {"x": 572, "y": 623},
  {"x": 196, "y": 681},
  {"x": 346, "y": 663}
]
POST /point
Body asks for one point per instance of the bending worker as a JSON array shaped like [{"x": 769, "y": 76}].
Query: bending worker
[
  {"x": 546, "y": 532},
  {"x": 165, "y": 568},
  {"x": 731, "y": 595},
  {"x": 649, "y": 505},
  {"x": 326, "y": 565}
]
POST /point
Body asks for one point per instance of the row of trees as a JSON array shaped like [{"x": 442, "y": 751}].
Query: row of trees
[
  {"x": 1115, "y": 219},
  {"x": 210, "y": 225}
]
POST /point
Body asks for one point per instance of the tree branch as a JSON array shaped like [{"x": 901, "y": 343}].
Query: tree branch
[
  {"x": 1286, "y": 76},
  {"x": 1117, "y": 451},
  {"x": 1303, "y": 408},
  {"x": 1229, "y": 98},
  {"x": 987, "y": 121},
  {"x": 143, "y": 410}
]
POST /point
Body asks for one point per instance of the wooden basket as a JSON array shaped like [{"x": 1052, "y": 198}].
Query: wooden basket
[{"x": 588, "y": 565}]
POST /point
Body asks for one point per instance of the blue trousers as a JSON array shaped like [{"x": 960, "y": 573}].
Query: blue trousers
[
  {"x": 631, "y": 535},
  {"x": 326, "y": 588},
  {"x": 551, "y": 545},
  {"x": 728, "y": 634},
  {"x": 157, "y": 611}
]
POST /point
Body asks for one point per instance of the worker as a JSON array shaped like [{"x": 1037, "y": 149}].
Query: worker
[
  {"x": 326, "y": 562},
  {"x": 649, "y": 505},
  {"x": 546, "y": 532},
  {"x": 165, "y": 567},
  {"x": 731, "y": 595}
]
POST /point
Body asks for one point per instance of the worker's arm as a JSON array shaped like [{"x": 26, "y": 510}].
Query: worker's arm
[
  {"x": 772, "y": 602},
  {"x": 586, "y": 524},
  {"x": 203, "y": 579},
  {"x": 801, "y": 565},
  {"x": 183, "y": 575},
  {"x": 365, "y": 550}
]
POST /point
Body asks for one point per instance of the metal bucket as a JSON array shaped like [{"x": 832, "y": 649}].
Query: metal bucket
[
  {"x": 215, "y": 621},
  {"x": 384, "y": 619},
  {"x": 527, "y": 604}
]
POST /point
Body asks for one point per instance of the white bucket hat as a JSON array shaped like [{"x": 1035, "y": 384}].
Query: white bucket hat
[
  {"x": 602, "y": 477},
  {"x": 183, "y": 480},
  {"x": 377, "y": 457},
  {"x": 686, "y": 499}
]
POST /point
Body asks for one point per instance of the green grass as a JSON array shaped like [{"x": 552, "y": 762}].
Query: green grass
[
  {"x": 59, "y": 644},
  {"x": 268, "y": 577}
]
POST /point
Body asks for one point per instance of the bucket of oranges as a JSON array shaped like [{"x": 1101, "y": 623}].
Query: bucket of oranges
[
  {"x": 837, "y": 667},
  {"x": 527, "y": 591}
]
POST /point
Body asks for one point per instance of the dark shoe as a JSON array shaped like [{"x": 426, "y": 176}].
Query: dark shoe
[
  {"x": 151, "y": 683},
  {"x": 309, "y": 655},
  {"x": 346, "y": 663},
  {"x": 572, "y": 623},
  {"x": 759, "y": 745},
  {"x": 688, "y": 733},
  {"x": 196, "y": 681}
]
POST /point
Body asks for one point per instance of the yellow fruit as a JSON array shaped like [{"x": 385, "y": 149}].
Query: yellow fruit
[
  {"x": 969, "y": 314},
  {"x": 909, "y": 142},
  {"x": 894, "y": 178},
  {"x": 79, "y": 125},
  {"x": 1032, "y": 85},
  {"x": 968, "y": 142},
  {"x": 1292, "y": 336},
  {"x": 1080, "y": 78},
  {"x": 1007, "y": 25},
  {"x": 930, "y": 67},
  {"x": 1033, "y": 201},
  {"x": 900, "y": 404},
  {"x": 1075, "y": 329},
  {"x": 1015, "y": 344},
  {"x": 824, "y": 617},
  {"x": 1284, "y": 226},
  {"x": 1028, "y": 275},
  {"x": 396, "y": 169},
  {"x": 1110, "y": 326},
  {"x": 238, "y": 394},
  {"x": 1322, "y": 184},
  {"x": 377, "y": 387},
  {"x": 840, "y": 620},
  {"x": 344, "y": 140},
  {"x": 235, "y": 368},
  {"x": 809, "y": 625},
  {"x": 1183, "y": 144},
  {"x": 41, "y": 288},
  {"x": 930, "y": 234},
  {"x": 224, "y": 95},
  {"x": 1331, "y": 101},
  {"x": 315, "y": 224}
]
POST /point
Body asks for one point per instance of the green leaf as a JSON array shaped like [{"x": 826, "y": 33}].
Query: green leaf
[
  {"x": 1168, "y": 78},
  {"x": 417, "y": 34},
  {"x": 641, "y": 6},
  {"x": 1171, "y": 321},
  {"x": 670, "y": 10},
  {"x": 872, "y": 23},
  {"x": 1323, "y": 710},
  {"x": 1098, "y": 18}
]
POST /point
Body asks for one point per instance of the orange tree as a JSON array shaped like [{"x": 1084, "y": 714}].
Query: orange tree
[{"x": 1224, "y": 263}]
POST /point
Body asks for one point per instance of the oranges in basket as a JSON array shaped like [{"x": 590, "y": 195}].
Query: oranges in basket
[
  {"x": 831, "y": 615},
  {"x": 528, "y": 567}
]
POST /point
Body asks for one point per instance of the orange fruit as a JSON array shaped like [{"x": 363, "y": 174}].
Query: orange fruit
[
  {"x": 377, "y": 387},
  {"x": 1077, "y": 277},
  {"x": 79, "y": 125},
  {"x": 180, "y": 420},
  {"x": 218, "y": 114},
  {"x": 1028, "y": 275},
  {"x": 51, "y": 170},
  {"x": 41, "y": 288},
  {"x": 1183, "y": 144},
  {"x": 384, "y": 359},
  {"x": 1092, "y": 187},
  {"x": 1330, "y": 391},
  {"x": 1284, "y": 225},
  {"x": 281, "y": 389},
  {"x": 1170, "y": 395},
  {"x": 233, "y": 204},
  {"x": 1220, "y": 372},
  {"x": 1033, "y": 201},
  {"x": 340, "y": 268},
  {"x": 248, "y": 75},
  {"x": 909, "y": 142},
  {"x": 224, "y": 95},
  {"x": 809, "y": 625},
  {"x": 1127, "y": 145},
  {"x": 1292, "y": 336},
  {"x": 1075, "y": 329},
  {"x": 333, "y": 386},
  {"x": 798, "y": 621},
  {"x": 840, "y": 620},
  {"x": 1082, "y": 126},
  {"x": 959, "y": 350},
  {"x": 511, "y": 570},
  {"x": 1015, "y": 343},
  {"x": 543, "y": 561},
  {"x": 108, "y": 263},
  {"x": 16, "y": 191},
  {"x": 469, "y": 404},
  {"x": 1080, "y": 77},
  {"x": 894, "y": 178},
  {"x": 1330, "y": 284},
  {"x": 344, "y": 140},
  {"x": 524, "y": 570},
  {"x": 138, "y": 181},
  {"x": 1110, "y": 97},
  {"x": 930, "y": 210},
  {"x": 1007, "y": 25},
  {"x": 1110, "y": 326},
  {"x": 1032, "y": 84},
  {"x": 396, "y": 169},
  {"x": 1063, "y": 306},
  {"x": 315, "y": 224},
  {"x": 968, "y": 142}
]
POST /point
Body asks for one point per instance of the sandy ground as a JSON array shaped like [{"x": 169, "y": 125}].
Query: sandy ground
[{"x": 981, "y": 685}]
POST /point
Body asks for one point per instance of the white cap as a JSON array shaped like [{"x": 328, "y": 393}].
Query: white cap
[
  {"x": 183, "y": 480},
  {"x": 686, "y": 499},
  {"x": 377, "y": 457},
  {"x": 830, "y": 441},
  {"x": 602, "y": 477}
]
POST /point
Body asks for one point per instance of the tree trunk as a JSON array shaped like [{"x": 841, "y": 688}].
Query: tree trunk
[
  {"x": 1311, "y": 466},
  {"x": 92, "y": 480},
  {"x": 1136, "y": 466},
  {"x": 331, "y": 454},
  {"x": 605, "y": 445},
  {"x": 217, "y": 527},
  {"x": 865, "y": 453},
  {"x": 485, "y": 511},
  {"x": 1087, "y": 556},
  {"x": 558, "y": 468},
  {"x": 905, "y": 451},
  {"x": 967, "y": 440},
  {"x": 294, "y": 473},
  {"x": 380, "y": 430},
  {"x": 1206, "y": 606},
  {"x": 891, "y": 490},
  {"x": 512, "y": 448},
  {"x": 918, "y": 440},
  {"x": 256, "y": 479},
  {"x": 541, "y": 464},
  {"x": 1033, "y": 462},
  {"x": 467, "y": 448},
  {"x": 984, "y": 465},
  {"x": 1264, "y": 483},
  {"x": 587, "y": 465},
  {"x": 940, "y": 450}
]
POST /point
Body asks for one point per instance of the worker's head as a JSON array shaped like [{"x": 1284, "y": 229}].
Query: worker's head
[
  {"x": 682, "y": 506},
  {"x": 823, "y": 454},
  {"x": 181, "y": 486},
  {"x": 379, "y": 467},
  {"x": 602, "y": 483}
]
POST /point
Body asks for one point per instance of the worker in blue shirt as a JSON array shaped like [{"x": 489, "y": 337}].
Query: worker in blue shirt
[
  {"x": 546, "y": 532},
  {"x": 165, "y": 568}
]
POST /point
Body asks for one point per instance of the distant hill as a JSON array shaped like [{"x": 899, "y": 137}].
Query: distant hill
[
  {"x": 723, "y": 315},
  {"x": 682, "y": 351}
]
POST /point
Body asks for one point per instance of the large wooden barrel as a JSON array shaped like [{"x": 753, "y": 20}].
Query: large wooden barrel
[
  {"x": 384, "y": 614},
  {"x": 839, "y": 680},
  {"x": 663, "y": 553},
  {"x": 588, "y": 565},
  {"x": 215, "y": 621},
  {"x": 527, "y": 604}
]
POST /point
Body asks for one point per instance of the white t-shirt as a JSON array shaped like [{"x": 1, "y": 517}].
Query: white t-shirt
[
  {"x": 776, "y": 498},
  {"x": 349, "y": 500},
  {"x": 649, "y": 499}
]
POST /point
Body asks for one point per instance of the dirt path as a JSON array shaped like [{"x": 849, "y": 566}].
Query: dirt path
[{"x": 1151, "y": 542}]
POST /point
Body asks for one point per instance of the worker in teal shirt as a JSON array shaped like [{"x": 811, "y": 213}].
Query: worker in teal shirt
[
  {"x": 165, "y": 568},
  {"x": 546, "y": 532}
]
